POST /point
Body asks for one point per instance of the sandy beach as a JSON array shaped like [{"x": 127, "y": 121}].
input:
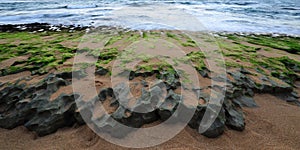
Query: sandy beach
[
  {"x": 261, "y": 108},
  {"x": 155, "y": 74}
]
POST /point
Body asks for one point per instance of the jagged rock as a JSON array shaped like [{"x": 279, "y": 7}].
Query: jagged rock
[
  {"x": 197, "y": 117},
  {"x": 233, "y": 92},
  {"x": 14, "y": 118},
  {"x": 146, "y": 74},
  {"x": 122, "y": 93},
  {"x": 53, "y": 115},
  {"x": 9, "y": 96},
  {"x": 243, "y": 88},
  {"x": 21, "y": 105},
  {"x": 131, "y": 75},
  {"x": 73, "y": 74},
  {"x": 204, "y": 73},
  {"x": 234, "y": 116},
  {"x": 133, "y": 119},
  {"x": 268, "y": 85},
  {"x": 216, "y": 128},
  {"x": 144, "y": 103},
  {"x": 281, "y": 87},
  {"x": 84, "y": 112},
  {"x": 109, "y": 125},
  {"x": 11, "y": 108},
  {"x": 244, "y": 71},
  {"x": 242, "y": 80},
  {"x": 30, "y": 105},
  {"x": 292, "y": 98},
  {"x": 118, "y": 124},
  {"x": 144, "y": 110},
  {"x": 104, "y": 93},
  {"x": 78, "y": 117},
  {"x": 149, "y": 117},
  {"x": 149, "y": 100},
  {"x": 101, "y": 71},
  {"x": 295, "y": 94},
  {"x": 128, "y": 118},
  {"x": 245, "y": 101},
  {"x": 220, "y": 78},
  {"x": 249, "y": 92},
  {"x": 54, "y": 83},
  {"x": 169, "y": 105},
  {"x": 171, "y": 80}
]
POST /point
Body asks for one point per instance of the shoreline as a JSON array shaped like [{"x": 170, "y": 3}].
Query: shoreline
[{"x": 35, "y": 27}]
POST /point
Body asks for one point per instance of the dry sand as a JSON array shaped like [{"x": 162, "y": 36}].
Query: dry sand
[{"x": 273, "y": 125}]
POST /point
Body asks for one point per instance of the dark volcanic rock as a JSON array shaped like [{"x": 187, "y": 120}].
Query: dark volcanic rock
[
  {"x": 30, "y": 106},
  {"x": 101, "y": 71},
  {"x": 243, "y": 88},
  {"x": 234, "y": 116},
  {"x": 245, "y": 101},
  {"x": 204, "y": 73},
  {"x": 78, "y": 74},
  {"x": 128, "y": 118},
  {"x": 104, "y": 93},
  {"x": 215, "y": 129},
  {"x": 53, "y": 115},
  {"x": 21, "y": 105},
  {"x": 38, "y": 27},
  {"x": 169, "y": 105},
  {"x": 171, "y": 80}
]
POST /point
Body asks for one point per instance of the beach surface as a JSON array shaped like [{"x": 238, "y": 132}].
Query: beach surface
[{"x": 261, "y": 108}]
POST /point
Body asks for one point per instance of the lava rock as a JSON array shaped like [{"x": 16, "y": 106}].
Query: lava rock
[
  {"x": 54, "y": 115},
  {"x": 101, "y": 71},
  {"x": 104, "y": 93},
  {"x": 215, "y": 129},
  {"x": 73, "y": 74},
  {"x": 169, "y": 105},
  {"x": 204, "y": 73},
  {"x": 245, "y": 101},
  {"x": 234, "y": 116},
  {"x": 30, "y": 105}
]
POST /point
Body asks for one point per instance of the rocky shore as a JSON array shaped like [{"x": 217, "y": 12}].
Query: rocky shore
[
  {"x": 39, "y": 27},
  {"x": 31, "y": 106},
  {"x": 254, "y": 66}
]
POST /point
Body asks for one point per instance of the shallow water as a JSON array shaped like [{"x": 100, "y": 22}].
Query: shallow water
[{"x": 263, "y": 16}]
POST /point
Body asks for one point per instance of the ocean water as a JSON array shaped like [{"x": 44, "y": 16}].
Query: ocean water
[{"x": 261, "y": 16}]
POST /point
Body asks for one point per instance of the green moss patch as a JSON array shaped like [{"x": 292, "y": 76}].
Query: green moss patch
[
  {"x": 48, "y": 50},
  {"x": 45, "y": 50},
  {"x": 289, "y": 44}
]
